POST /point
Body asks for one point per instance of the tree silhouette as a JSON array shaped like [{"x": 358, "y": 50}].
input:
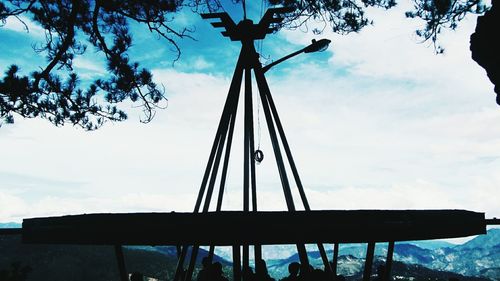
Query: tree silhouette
[
  {"x": 485, "y": 46},
  {"x": 16, "y": 272},
  {"x": 55, "y": 92}
]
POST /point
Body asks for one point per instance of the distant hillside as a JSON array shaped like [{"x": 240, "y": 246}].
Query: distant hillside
[
  {"x": 492, "y": 239},
  {"x": 480, "y": 257},
  {"x": 276, "y": 252},
  {"x": 352, "y": 268},
  {"x": 476, "y": 260},
  {"x": 171, "y": 251},
  {"x": 415, "y": 272},
  {"x": 432, "y": 244},
  {"x": 10, "y": 225},
  {"x": 83, "y": 263}
]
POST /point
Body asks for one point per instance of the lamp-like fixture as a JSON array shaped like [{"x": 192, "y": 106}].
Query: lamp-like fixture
[{"x": 315, "y": 46}]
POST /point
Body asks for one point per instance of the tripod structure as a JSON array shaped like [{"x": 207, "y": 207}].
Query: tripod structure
[
  {"x": 246, "y": 228},
  {"x": 246, "y": 32}
]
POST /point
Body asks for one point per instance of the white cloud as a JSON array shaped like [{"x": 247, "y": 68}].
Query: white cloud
[
  {"x": 387, "y": 125},
  {"x": 124, "y": 165},
  {"x": 15, "y": 208},
  {"x": 201, "y": 63},
  {"x": 389, "y": 49},
  {"x": 23, "y": 24},
  {"x": 89, "y": 68},
  {"x": 12, "y": 207}
]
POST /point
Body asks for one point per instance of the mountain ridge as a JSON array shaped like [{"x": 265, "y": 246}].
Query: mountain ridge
[{"x": 479, "y": 257}]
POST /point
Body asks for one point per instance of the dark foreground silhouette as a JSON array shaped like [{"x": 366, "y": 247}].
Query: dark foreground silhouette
[
  {"x": 297, "y": 272},
  {"x": 211, "y": 271},
  {"x": 485, "y": 44}
]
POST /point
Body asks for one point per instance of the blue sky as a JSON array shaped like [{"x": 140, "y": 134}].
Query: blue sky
[{"x": 376, "y": 121}]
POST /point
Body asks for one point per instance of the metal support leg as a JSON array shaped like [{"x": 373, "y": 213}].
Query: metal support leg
[
  {"x": 246, "y": 150},
  {"x": 236, "y": 263},
  {"x": 335, "y": 258},
  {"x": 233, "y": 104},
  {"x": 234, "y": 90},
  {"x": 304, "y": 260},
  {"x": 251, "y": 141},
  {"x": 263, "y": 89},
  {"x": 180, "y": 263},
  {"x": 192, "y": 263},
  {"x": 388, "y": 261},
  {"x": 288, "y": 152},
  {"x": 370, "y": 251},
  {"x": 178, "y": 250},
  {"x": 211, "y": 251},
  {"x": 249, "y": 164},
  {"x": 215, "y": 168},
  {"x": 246, "y": 142},
  {"x": 217, "y": 148},
  {"x": 264, "y": 93},
  {"x": 226, "y": 161},
  {"x": 257, "y": 252},
  {"x": 246, "y": 257},
  {"x": 324, "y": 257},
  {"x": 121, "y": 263},
  {"x": 295, "y": 172},
  {"x": 246, "y": 157}
]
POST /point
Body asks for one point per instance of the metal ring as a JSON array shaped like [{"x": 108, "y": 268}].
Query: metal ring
[{"x": 258, "y": 155}]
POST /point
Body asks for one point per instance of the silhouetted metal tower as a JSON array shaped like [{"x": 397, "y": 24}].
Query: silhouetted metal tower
[
  {"x": 247, "y": 32},
  {"x": 347, "y": 226}
]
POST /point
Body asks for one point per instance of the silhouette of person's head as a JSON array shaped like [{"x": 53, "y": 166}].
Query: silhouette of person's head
[
  {"x": 217, "y": 269},
  {"x": 136, "y": 276},
  {"x": 247, "y": 273},
  {"x": 318, "y": 275},
  {"x": 294, "y": 268},
  {"x": 260, "y": 267},
  {"x": 205, "y": 272},
  {"x": 206, "y": 262},
  {"x": 247, "y": 269}
]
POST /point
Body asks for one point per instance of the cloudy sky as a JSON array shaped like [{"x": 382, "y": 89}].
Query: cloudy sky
[{"x": 376, "y": 121}]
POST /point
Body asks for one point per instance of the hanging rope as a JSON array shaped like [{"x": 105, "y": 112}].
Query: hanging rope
[
  {"x": 262, "y": 6},
  {"x": 258, "y": 154},
  {"x": 258, "y": 128}
]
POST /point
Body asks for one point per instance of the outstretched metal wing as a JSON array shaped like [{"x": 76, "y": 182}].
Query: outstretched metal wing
[
  {"x": 272, "y": 18},
  {"x": 246, "y": 30},
  {"x": 225, "y": 22}
]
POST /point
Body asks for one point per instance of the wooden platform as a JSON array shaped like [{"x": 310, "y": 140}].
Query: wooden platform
[{"x": 239, "y": 228}]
